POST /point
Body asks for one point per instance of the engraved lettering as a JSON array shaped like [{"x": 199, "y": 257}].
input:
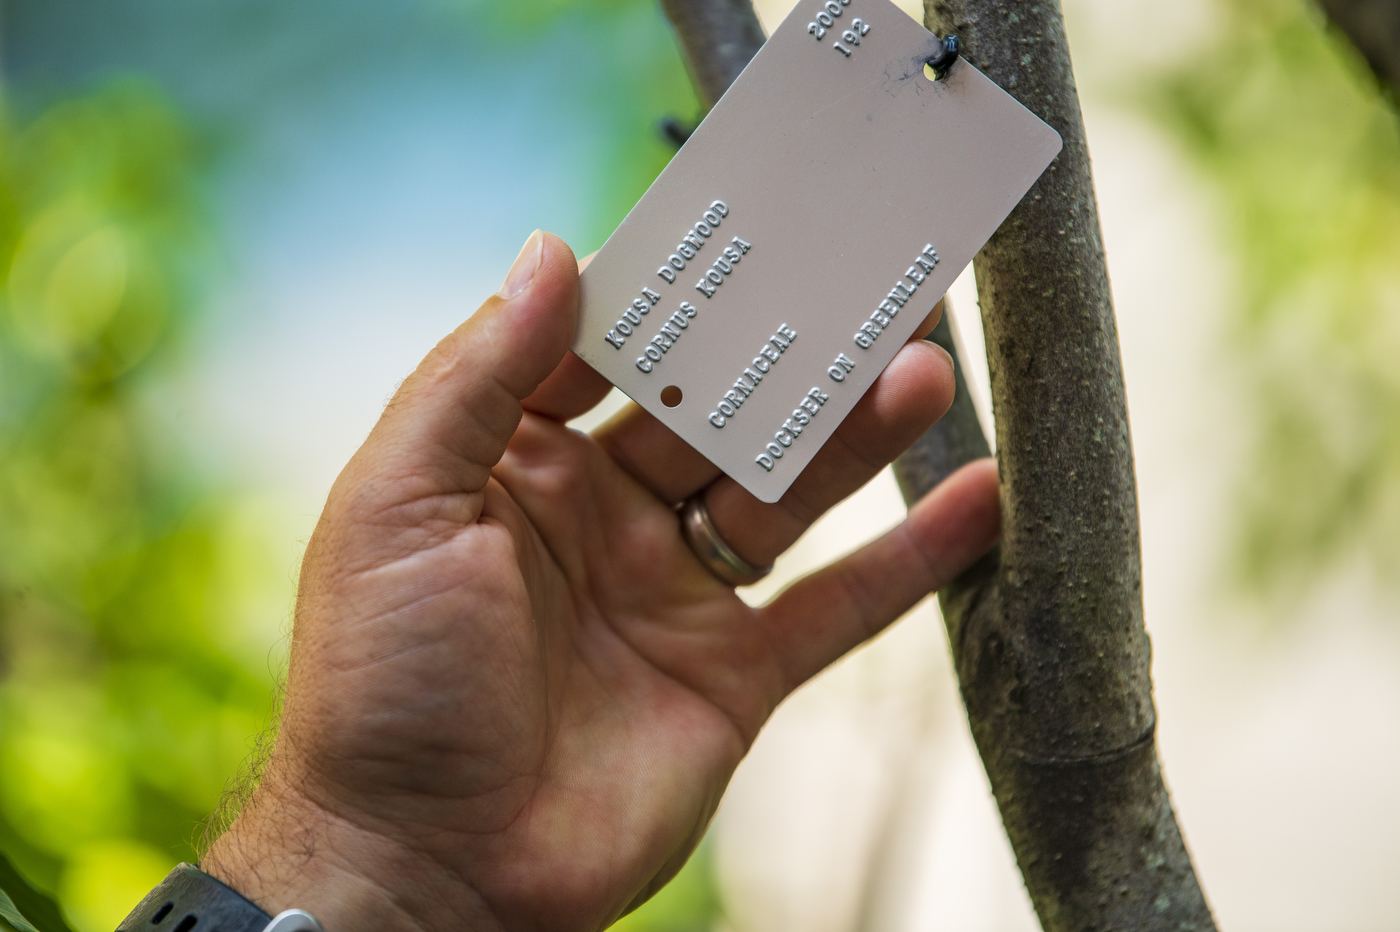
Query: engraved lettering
[
  {"x": 774, "y": 451},
  {"x": 747, "y": 383},
  {"x": 732, "y": 254},
  {"x": 863, "y": 341},
  {"x": 837, "y": 374},
  {"x": 711, "y": 218},
  {"x": 632, "y": 316},
  {"x": 624, "y": 328},
  {"x": 693, "y": 239},
  {"x": 792, "y": 428},
  {"x": 889, "y": 307},
  {"x": 924, "y": 264},
  {"x": 915, "y": 275},
  {"x": 661, "y": 342},
  {"x": 676, "y": 262},
  {"x": 725, "y": 408},
  {"x": 704, "y": 229},
  {"x": 715, "y": 276},
  {"x": 717, "y": 419},
  {"x": 705, "y": 288},
  {"x": 653, "y": 353},
  {"x": 671, "y": 331},
  {"x": 651, "y": 296},
  {"x": 783, "y": 437},
  {"x": 743, "y": 246},
  {"x": 612, "y": 337},
  {"x": 666, "y": 273},
  {"x": 641, "y": 306},
  {"x": 678, "y": 320},
  {"x": 765, "y": 461},
  {"x": 723, "y": 265},
  {"x": 880, "y": 319},
  {"x": 643, "y": 363},
  {"x": 721, "y": 208},
  {"x": 686, "y": 250}
]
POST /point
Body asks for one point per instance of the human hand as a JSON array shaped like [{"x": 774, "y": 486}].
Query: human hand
[{"x": 516, "y": 696}]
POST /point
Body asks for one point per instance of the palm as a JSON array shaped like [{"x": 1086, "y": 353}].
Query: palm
[{"x": 508, "y": 662}]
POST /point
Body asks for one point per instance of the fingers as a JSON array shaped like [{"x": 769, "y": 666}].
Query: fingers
[
  {"x": 647, "y": 450},
  {"x": 908, "y": 397},
  {"x": 931, "y": 321},
  {"x": 821, "y": 617},
  {"x": 450, "y": 420},
  {"x": 666, "y": 464},
  {"x": 573, "y": 388},
  {"x": 570, "y": 390}
]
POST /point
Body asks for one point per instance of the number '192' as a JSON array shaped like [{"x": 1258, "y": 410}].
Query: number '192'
[{"x": 827, "y": 18}]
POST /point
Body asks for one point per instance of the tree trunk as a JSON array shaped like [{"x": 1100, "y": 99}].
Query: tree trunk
[
  {"x": 1373, "y": 26},
  {"x": 1047, "y": 632}
]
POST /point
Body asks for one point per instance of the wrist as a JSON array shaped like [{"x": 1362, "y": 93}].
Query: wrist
[{"x": 285, "y": 852}]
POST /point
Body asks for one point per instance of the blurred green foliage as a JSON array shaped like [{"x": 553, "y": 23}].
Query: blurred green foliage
[
  {"x": 1303, "y": 150},
  {"x": 140, "y": 599},
  {"x": 129, "y": 688}
]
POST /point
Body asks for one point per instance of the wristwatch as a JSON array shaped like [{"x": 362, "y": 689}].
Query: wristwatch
[{"x": 189, "y": 900}]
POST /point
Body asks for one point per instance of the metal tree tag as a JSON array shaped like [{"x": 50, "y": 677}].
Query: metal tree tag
[{"x": 800, "y": 236}]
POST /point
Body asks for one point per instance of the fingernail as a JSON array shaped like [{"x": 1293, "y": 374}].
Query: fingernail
[{"x": 525, "y": 267}]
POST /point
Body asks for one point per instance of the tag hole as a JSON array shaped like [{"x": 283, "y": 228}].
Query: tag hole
[
  {"x": 929, "y": 72},
  {"x": 671, "y": 396}
]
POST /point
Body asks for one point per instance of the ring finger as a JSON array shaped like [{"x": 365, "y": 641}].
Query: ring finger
[{"x": 904, "y": 402}]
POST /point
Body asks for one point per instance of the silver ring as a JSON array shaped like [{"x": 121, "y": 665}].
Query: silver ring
[{"x": 719, "y": 558}]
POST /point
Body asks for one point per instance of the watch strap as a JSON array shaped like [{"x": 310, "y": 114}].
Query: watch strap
[{"x": 189, "y": 900}]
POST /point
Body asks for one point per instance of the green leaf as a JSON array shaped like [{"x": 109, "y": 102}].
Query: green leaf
[
  {"x": 12, "y": 915},
  {"x": 24, "y": 908}
]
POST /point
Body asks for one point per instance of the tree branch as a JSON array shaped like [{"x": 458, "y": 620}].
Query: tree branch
[
  {"x": 718, "y": 37},
  {"x": 1048, "y": 633},
  {"x": 1373, "y": 26}
]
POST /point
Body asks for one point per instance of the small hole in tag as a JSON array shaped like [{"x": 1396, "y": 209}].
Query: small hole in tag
[
  {"x": 671, "y": 396},
  {"x": 929, "y": 72}
]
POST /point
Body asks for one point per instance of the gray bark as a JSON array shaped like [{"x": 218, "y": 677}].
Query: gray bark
[
  {"x": 718, "y": 38},
  {"x": 1373, "y": 26},
  {"x": 1047, "y": 632}
]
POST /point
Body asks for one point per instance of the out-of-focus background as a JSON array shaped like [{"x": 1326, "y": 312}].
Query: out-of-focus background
[{"x": 228, "y": 229}]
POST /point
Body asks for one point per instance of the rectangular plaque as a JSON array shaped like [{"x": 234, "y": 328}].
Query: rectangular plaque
[{"x": 800, "y": 236}]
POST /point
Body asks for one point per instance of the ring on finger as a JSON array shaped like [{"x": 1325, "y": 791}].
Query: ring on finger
[{"x": 719, "y": 558}]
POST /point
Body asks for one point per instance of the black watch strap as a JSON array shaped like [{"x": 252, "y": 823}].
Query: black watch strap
[{"x": 189, "y": 900}]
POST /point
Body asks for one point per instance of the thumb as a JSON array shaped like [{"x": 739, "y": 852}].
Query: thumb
[{"x": 448, "y": 424}]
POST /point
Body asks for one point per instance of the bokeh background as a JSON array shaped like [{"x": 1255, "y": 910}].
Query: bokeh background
[{"x": 228, "y": 229}]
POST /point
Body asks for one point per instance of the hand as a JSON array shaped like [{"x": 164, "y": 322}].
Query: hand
[{"x": 515, "y": 695}]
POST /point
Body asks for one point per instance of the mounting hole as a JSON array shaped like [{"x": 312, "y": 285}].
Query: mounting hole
[
  {"x": 929, "y": 72},
  {"x": 671, "y": 396}
]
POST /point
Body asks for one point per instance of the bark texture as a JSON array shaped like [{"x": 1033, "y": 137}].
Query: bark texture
[
  {"x": 1373, "y": 26},
  {"x": 1047, "y": 633},
  {"x": 718, "y": 38}
]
